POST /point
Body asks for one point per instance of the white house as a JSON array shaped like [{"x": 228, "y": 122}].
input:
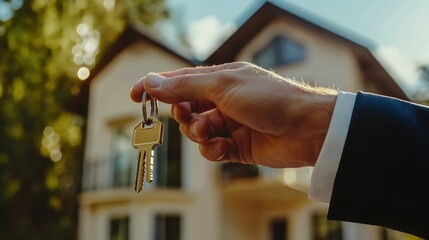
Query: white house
[{"x": 194, "y": 199}]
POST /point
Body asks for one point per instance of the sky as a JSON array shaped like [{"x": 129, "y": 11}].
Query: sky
[{"x": 399, "y": 29}]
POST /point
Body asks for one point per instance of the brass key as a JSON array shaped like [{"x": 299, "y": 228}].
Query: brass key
[{"x": 148, "y": 134}]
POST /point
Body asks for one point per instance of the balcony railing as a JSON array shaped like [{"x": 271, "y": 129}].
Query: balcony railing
[
  {"x": 298, "y": 178},
  {"x": 100, "y": 175}
]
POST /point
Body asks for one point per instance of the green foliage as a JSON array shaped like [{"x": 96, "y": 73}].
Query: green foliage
[
  {"x": 424, "y": 90},
  {"x": 424, "y": 72},
  {"x": 40, "y": 142}
]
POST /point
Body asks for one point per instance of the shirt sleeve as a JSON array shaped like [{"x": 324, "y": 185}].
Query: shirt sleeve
[{"x": 323, "y": 176}]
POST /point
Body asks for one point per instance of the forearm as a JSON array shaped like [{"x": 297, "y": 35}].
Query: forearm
[{"x": 313, "y": 117}]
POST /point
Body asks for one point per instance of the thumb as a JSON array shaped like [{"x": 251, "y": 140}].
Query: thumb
[{"x": 189, "y": 87}]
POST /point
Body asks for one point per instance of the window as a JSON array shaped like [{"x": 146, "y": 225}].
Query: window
[
  {"x": 124, "y": 158},
  {"x": 324, "y": 229},
  {"x": 278, "y": 229},
  {"x": 231, "y": 171},
  {"x": 168, "y": 156},
  {"x": 167, "y": 227},
  {"x": 119, "y": 228},
  {"x": 280, "y": 51}
]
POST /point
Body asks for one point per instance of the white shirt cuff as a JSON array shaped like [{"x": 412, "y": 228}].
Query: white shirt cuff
[{"x": 325, "y": 170}]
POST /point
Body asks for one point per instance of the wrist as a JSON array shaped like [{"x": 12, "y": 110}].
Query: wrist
[{"x": 317, "y": 109}]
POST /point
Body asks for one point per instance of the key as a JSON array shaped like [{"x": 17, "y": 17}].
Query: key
[{"x": 145, "y": 138}]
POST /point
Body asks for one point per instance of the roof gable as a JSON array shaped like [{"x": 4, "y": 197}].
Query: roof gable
[{"x": 268, "y": 13}]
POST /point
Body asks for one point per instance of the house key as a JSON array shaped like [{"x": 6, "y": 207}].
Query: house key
[{"x": 148, "y": 134}]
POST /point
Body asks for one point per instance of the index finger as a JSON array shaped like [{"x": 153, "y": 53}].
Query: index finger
[
  {"x": 137, "y": 91},
  {"x": 138, "y": 88},
  {"x": 202, "y": 69},
  {"x": 186, "y": 84},
  {"x": 181, "y": 88}
]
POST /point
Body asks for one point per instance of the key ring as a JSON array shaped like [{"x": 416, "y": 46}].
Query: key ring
[{"x": 153, "y": 108}]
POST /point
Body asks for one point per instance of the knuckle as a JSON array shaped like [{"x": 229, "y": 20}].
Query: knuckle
[
  {"x": 241, "y": 64},
  {"x": 182, "y": 81},
  {"x": 183, "y": 129}
]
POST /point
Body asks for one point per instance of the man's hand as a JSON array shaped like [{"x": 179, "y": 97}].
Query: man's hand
[{"x": 239, "y": 112}]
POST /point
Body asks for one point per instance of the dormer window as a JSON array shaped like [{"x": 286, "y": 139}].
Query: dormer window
[{"x": 280, "y": 51}]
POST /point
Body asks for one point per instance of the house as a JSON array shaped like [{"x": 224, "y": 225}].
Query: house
[{"x": 194, "y": 199}]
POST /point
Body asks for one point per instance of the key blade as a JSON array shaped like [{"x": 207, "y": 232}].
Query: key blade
[
  {"x": 140, "y": 172},
  {"x": 148, "y": 149}
]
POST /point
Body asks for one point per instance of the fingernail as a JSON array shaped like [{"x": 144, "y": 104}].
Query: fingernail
[
  {"x": 216, "y": 150},
  {"x": 153, "y": 80}
]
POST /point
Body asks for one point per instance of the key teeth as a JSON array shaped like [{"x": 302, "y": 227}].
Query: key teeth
[
  {"x": 149, "y": 176},
  {"x": 149, "y": 162}
]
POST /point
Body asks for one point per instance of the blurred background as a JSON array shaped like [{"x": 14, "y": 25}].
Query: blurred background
[{"x": 67, "y": 167}]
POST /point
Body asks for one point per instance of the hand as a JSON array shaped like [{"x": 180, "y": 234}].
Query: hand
[{"x": 239, "y": 112}]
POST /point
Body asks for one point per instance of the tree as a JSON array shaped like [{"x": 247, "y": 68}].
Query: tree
[
  {"x": 44, "y": 48},
  {"x": 424, "y": 71},
  {"x": 423, "y": 92}
]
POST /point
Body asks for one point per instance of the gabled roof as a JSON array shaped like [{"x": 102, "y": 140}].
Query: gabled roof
[{"x": 269, "y": 12}]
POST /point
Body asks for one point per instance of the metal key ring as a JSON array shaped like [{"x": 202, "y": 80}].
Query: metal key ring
[{"x": 153, "y": 108}]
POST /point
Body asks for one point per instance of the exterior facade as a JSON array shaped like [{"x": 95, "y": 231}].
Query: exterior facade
[{"x": 191, "y": 198}]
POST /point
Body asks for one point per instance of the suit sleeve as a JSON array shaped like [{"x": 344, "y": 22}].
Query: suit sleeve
[{"x": 383, "y": 176}]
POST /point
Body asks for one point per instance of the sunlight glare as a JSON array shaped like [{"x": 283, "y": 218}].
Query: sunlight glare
[
  {"x": 82, "y": 29},
  {"x": 91, "y": 45},
  {"x": 78, "y": 58},
  {"x": 56, "y": 155},
  {"x": 89, "y": 59},
  {"x": 83, "y": 73},
  {"x": 109, "y": 4}
]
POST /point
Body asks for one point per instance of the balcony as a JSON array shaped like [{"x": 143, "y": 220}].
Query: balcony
[
  {"x": 99, "y": 175},
  {"x": 106, "y": 183},
  {"x": 119, "y": 172},
  {"x": 263, "y": 183}
]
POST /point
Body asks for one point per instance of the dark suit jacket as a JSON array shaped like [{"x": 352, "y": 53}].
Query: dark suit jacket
[{"x": 383, "y": 176}]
